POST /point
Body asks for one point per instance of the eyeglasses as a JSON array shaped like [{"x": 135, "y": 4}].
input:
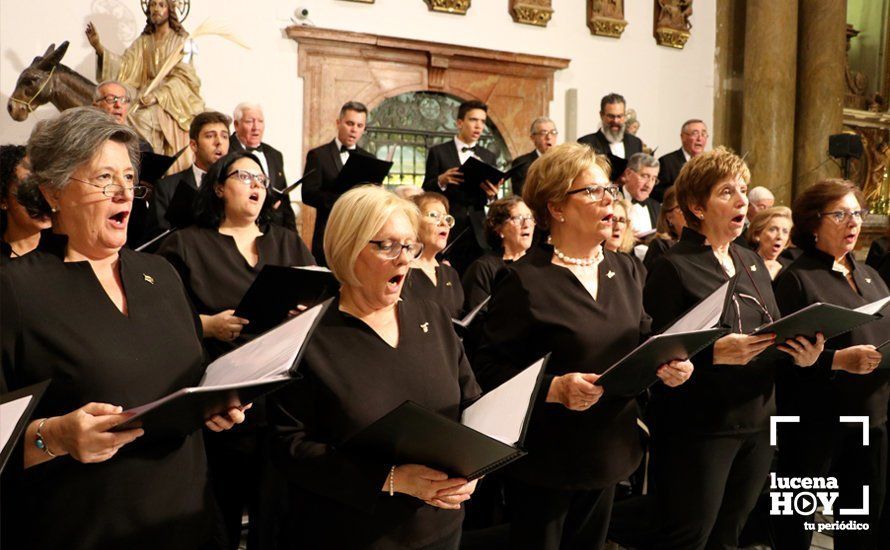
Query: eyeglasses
[
  {"x": 112, "y": 99},
  {"x": 697, "y": 134},
  {"x": 519, "y": 220},
  {"x": 596, "y": 192},
  {"x": 840, "y": 216},
  {"x": 248, "y": 178},
  {"x": 622, "y": 221},
  {"x": 614, "y": 117},
  {"x": 439, "y": 219},
  {"x": 390, "y": 250},
  {"x": 545, "y": 133},
  {"x": 648, "y": 178},
  {"x": 737, "y": 298},
  {"x": 115, "y": 189}
]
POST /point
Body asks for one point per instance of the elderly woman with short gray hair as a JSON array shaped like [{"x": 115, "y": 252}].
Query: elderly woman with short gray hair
[{"x": 112, "y": 329}]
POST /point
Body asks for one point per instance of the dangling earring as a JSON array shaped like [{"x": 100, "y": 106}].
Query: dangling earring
[{"x": 815, "y": 238}]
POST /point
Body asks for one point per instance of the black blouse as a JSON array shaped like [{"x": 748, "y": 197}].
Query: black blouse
[
  {"x": 59, "y": 324},
  {"x": 351, "y": 378},
  {"x": 447, "y": 291},
  {"x": 215, "y": 273},
  {"x": 539, "y": 308},
  {"x": 717, "y": 399},
  {"x": 819, "y": 394},
  {"x": 478, "y": 280},
  {"x": 657, "y": 248}
]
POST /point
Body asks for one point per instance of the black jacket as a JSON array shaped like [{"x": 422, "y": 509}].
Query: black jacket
[
  {"x": 163, "y": 193},
  {"x": 522, "y": 164},
  {"x": 632, "y": 144},
  {"x": 669, "y": 169}
]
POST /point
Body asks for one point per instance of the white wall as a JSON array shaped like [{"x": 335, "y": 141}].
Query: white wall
[{"x": 665, "y": 86}]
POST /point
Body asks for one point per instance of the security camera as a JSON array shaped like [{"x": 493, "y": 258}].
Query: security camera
[{"x": 302, "y": 13}]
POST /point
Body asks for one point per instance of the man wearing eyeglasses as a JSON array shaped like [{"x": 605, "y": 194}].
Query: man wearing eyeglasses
[
  {"x": 543, "y": 133},
  {"x": 694, "y": 139},
  {"x": 638, "y": 180},
  {"x": 114, "y": 98},
  {"x": 612, "y": 138},
  {"x": 209, "y": 141}
]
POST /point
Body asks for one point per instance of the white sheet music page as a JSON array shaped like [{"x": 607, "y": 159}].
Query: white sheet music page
[
  {"x": 873, "y": 307},
  {"x": 501, "y": 413},
  {"x": 10, "y": 414},
  {"x": 269, "y": 355},
  {"x": 704, "y": 315}
]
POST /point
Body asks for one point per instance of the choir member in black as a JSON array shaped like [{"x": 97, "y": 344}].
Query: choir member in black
[
  {"x": 218, "y": 259},
  {"x": 571, "y": 298},
  {"x": 667, "y": 229},
  {"x": 112, "y": 329},
  {"x": 509, "y": 227},
  {"x": 443, "y": 175},
  {"x": 369, "y": 354},
  {"x": 827, "y": 223},
  {"x": 428, "y": 279},
  {"x": 769, "y": 234},
  {"x": 325, "y": 162},
  {"x": 19, "y": 230},
  {"x": 711, "y": 437},
  {"x": 543, "y": 133}
]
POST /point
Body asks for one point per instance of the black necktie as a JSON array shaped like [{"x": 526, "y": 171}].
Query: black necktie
[
  {"x": 253, "y": 149},
  {"x": 345, "y": 149},
  {"x": 635, "y": 201},
  {"x": 474, "y": 149}
]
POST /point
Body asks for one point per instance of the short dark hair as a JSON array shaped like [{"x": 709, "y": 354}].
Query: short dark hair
[
  {"x": 10, "y": 158},
  {"x": 468, "y": 106},
  {"x": 498, "y": 214},
  {"x": 610, "y": 99},
  {"x": 809, "y": 204},
  {"x": 203, "y": 119},
  {"x": 210, "y": 208},
  {"x": 356, "y": 106}
]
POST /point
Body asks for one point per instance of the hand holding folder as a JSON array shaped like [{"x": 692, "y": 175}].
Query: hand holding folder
[
  {"x": 475, "y": 173},
  {"x": 239, "y": 377},
  {"x": 829, "y": 319},
  {"x": 488, "y": 437}
]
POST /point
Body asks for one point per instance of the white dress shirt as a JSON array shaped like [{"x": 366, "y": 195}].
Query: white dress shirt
[
  {"x": 198, "y": 174},
  {"x": 344, "y": 155},
  {"x": 617, "y": 148},
  {"x": 639, "y": 215}
]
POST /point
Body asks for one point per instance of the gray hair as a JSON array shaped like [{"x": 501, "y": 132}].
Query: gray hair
[
  {"x": 760, "y": 193},
  {"x": 245, "y": 106},
  {"x": 540, "y": 120},
  {"x": 58, "y": 146},
  {"x": 638, "y": 161},
  {"x": 127, "y": 90},
  {"x": 691, "y": 121}
]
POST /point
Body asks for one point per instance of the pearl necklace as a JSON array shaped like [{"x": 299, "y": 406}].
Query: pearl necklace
[{"x": 583, "y": 262}]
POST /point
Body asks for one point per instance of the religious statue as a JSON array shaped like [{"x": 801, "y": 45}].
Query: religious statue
[
  {"x": 606, "y": 17},
  {"x": 158, "y": 66},
  {"x": 47, "y": 80},
  {"x": 672, "y": 24}
]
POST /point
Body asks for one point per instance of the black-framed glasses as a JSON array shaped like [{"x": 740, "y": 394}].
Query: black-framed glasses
[
  {"x": 615, "y": 117},
  {"x": 390, "y": 250},
  {"x": 248, "y": 178},
  {"x": 112, "y": 99},
  {"x": 519, "y": 220},
  {"x": 553, "y": 133},
  {"x": 596, "y": 192},
  {"x": 114, "y": 189},
  {"x": 438, "y": 219},
  {"x": 840, "y": 216}
]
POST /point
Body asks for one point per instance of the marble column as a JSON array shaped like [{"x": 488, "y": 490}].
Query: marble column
[
  {"x": 821, "y": 62},
  {"x": 769, "y": 94}
]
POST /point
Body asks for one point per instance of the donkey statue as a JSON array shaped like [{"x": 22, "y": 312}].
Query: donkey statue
[{"x": 48, "y": 81}]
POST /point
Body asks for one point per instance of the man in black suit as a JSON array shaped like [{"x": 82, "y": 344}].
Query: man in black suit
[
  {"x": 443, "y": 175},
  {"x": 250, "y": 126},
  {"x": 209, "y": 141},
  {"x": 543, "y": 134},
  {"x": 637, "y": 181},
  {"x": 327, "y": 161},
  {"x": 694, "y": 137},
  {"x": 611, "y": 138}
]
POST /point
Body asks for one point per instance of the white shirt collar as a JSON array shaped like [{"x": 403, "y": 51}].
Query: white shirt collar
[
  {"x": 340, "y": 144},
  {"x": 460, "y": 144},
  {"x": 685, "y": 154},
  {"x": 198, "y": 174}
]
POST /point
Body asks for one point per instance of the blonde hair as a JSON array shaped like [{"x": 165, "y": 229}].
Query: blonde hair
[
  {"x": 627, "y": 240},
  {"x": 550, "y": 177},
  {"x": 701, "y": 174},
  {"x": 357, "y": 216},
  {"x": 762, "y": 219}
]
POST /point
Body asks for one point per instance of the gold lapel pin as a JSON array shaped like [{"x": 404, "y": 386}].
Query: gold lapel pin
[
  {"x": 610, "y": 274},
  {"x": 148, "y": 278},
  {"x": 448, "y": 283},
  {"x": 425, "y": 327}
]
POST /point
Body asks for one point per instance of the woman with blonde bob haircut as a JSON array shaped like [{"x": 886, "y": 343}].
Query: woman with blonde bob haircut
[
  {"x": 769, "y": 235},
  {"x": 582, "y": 304},
  {"x": 370, "y": 353}
]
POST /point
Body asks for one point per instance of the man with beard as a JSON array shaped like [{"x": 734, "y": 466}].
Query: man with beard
[
  {"x": 694, "y": 137},
  {"x": 162, "y": 114},
  {"x": 543, "y": 134},
  {"x": 612, "y": 139},
  {"x": 637, "y": 182},
  {"x": 209, "y": 133}
]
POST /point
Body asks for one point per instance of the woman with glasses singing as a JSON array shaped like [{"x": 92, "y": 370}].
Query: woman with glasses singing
[
  {"x": 218, "y": 259},
  {"x": 668, "y": 228},
  {"x": 581, "y": 303},
  {"x": 827, "y": 223},
  {"x": 428, "y": 279},
  {"x": 112, "y": 329},
  {"x": 711, "y": 436},
  {"x": 509, "y": 228},
  {"x": 370, "y": 353}
]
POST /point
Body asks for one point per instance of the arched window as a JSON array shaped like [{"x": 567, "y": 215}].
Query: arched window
[{"x": 404, "y": 127}]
